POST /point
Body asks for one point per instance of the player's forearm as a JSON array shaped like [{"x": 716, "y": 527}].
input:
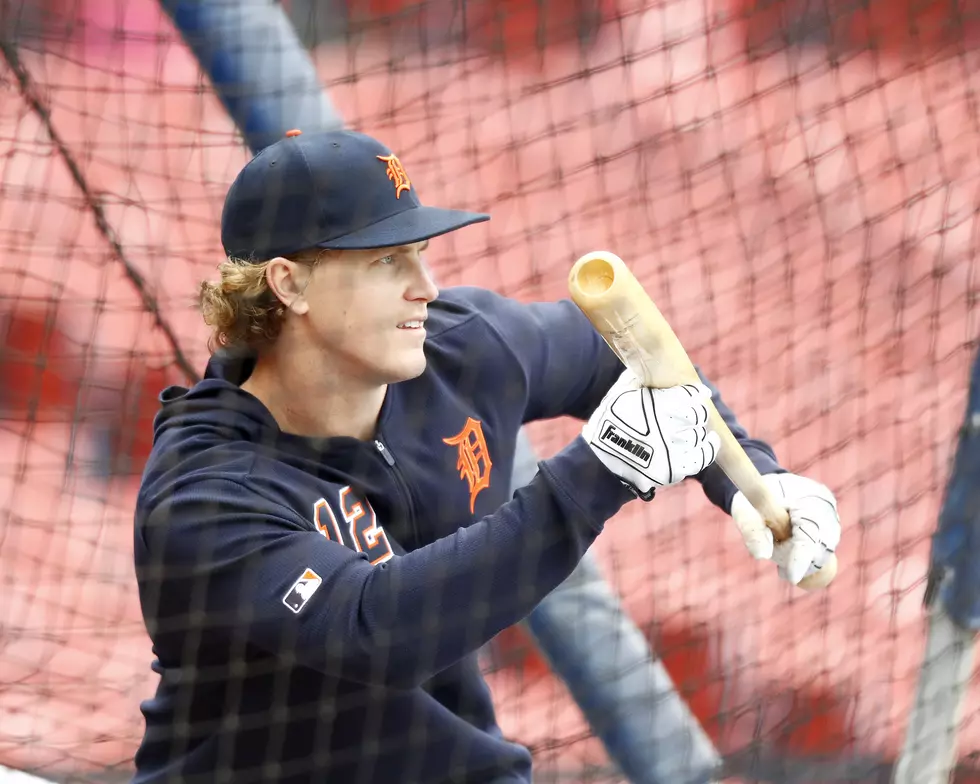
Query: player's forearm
[
  {"x": 396, "y": 623},
  {"x": 717, "y": 487},
  {"x": 422, "y": 612}
]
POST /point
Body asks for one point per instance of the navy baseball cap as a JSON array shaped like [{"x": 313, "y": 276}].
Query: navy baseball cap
[{"x": 341, "y": 190}]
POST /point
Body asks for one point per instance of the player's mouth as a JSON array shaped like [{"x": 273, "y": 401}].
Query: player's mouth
[{"x": 411, "y": 325}]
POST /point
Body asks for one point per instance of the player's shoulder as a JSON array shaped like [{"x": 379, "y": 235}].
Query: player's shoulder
[
  {"x": 458, "y": 305},
  {"x": 469, "y": 313},
  {"x": 230, "y": 486},
  {"x": 211, "y": 441},
  {"x": 514, "y": 323}
]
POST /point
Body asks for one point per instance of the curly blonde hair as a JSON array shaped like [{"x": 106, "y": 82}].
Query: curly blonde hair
[{"x": 240, "y": 308}]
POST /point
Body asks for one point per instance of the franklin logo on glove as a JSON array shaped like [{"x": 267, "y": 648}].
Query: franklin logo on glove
[
  {"x": 652, "y": 438},
  {"x": 626, "y": 445}
]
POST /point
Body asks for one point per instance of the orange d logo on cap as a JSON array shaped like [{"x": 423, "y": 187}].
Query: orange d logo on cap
[{"x": 397, "y": 174}]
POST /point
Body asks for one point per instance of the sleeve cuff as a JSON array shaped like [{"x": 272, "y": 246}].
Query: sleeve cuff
[
  {"x": 719, "y": 488},
  {"x": 588, "y": 491}
]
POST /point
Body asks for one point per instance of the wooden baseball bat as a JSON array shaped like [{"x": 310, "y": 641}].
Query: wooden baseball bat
[{"x": 622, "y": 312}]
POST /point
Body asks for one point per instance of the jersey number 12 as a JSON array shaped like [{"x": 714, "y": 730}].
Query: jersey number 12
[{"x": 364, "y": 533}]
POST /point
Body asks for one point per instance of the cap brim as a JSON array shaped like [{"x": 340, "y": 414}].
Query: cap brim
[{"x": 404, "y": 228}]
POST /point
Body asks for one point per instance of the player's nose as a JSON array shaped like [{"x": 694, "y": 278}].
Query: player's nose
[{"x": 423, "y": 286}]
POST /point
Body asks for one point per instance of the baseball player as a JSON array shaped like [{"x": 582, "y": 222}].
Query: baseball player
[{"x": 324, "y": 534}]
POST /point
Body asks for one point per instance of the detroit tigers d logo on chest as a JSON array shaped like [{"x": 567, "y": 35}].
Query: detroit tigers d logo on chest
[{"x": 473, "y": 458}]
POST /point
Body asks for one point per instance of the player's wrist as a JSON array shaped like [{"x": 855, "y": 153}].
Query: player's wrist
[{"x": 583, "y": 485}]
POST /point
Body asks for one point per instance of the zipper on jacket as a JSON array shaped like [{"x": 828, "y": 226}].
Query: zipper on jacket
[
  {"x": 384, "y": 452},
  {"x": 389, "y": 459}
]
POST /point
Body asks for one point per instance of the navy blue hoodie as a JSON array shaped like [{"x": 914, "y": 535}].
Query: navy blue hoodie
[{"x": 315, "y": 605}]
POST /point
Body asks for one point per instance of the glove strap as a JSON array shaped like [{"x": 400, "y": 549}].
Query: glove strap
[{"x": 635, "y": 491}]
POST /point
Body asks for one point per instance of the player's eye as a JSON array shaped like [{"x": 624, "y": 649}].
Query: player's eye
[{"x": 386, "y": 260}]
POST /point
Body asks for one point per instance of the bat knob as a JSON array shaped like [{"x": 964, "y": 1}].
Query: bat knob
[{"x": 821, "y": 579}]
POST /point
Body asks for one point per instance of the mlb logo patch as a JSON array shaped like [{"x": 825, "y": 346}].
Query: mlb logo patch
[{"x": 297, "y": 596}]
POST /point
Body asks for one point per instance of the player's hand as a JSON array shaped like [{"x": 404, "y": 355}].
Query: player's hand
[
  {"x": 813, "y": 518},
  {"x": 652, "y": 438}
]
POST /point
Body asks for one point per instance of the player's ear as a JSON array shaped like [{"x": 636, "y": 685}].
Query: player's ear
[{"x": 288, "y": 280}]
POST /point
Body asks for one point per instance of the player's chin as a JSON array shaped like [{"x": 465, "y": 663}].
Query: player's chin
[{"x": 406, "y": 366}]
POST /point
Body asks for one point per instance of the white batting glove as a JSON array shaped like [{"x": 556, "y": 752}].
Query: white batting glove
[
  {"x": 652, "y": 438},
  {"x": 813, "y": 518}
]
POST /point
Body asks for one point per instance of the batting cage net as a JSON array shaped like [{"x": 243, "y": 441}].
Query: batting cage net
[{"x": 795, "y": 183}]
